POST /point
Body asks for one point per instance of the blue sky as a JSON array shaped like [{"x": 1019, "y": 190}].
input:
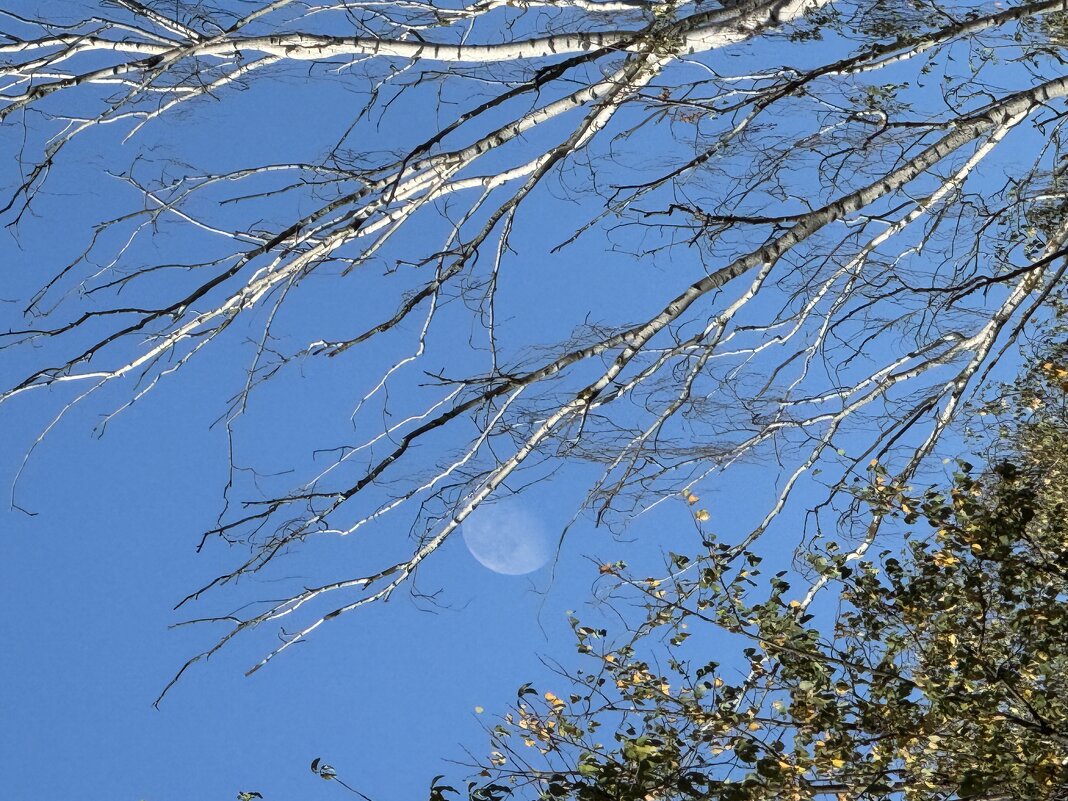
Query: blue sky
[
  {"x": 384, "y": 695},
  {"x": 90, "y": 580},
  {"x": 89, "y": 583},
  {"x": 91, "y": 577}
]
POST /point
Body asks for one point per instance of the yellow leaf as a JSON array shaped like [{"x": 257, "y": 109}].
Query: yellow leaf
[
  {"x": 702, "y": 515},
  {"x": 943, "y": 559},
  {"x": 692, "y": 499},
  {"x": 554, "y": 701}
]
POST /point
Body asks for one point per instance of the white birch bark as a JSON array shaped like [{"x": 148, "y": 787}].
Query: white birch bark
[{"x": 817, "y": 218}]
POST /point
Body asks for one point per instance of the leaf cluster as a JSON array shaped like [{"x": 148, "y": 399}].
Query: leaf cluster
[{"x": 942, "y": 673}]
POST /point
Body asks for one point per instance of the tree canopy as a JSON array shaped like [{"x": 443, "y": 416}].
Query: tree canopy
[
  {"x": 626, "y": 243},
  {"x": 938, "y": 671}
]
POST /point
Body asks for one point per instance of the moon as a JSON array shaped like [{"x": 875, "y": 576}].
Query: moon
[{"x": 507, "y": 539}]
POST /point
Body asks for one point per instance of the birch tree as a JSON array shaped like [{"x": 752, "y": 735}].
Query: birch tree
[{"x": 835, "y": 219}]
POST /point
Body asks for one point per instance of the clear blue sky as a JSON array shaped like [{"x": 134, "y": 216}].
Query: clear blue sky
[
  {"x": 88, "y": 588},
  {"x": 90, "y": 580}
]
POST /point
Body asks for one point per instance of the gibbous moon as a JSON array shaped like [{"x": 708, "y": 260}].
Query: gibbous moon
[{"x": 507, "y": 539}]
